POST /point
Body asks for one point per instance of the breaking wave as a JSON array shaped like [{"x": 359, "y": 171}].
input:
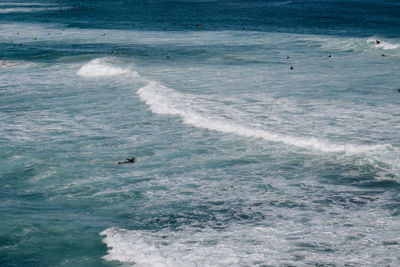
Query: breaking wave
[
  {"x": 245, "y": 245},
  {"x": 164, "y": 100},
  {"x": 351, "y": 44},
  {"x": 383, "y": 44},
  {"x": 190, "y": 247},
  {"x": 100, "y": 67},
  {"x": 193, "y": 110}
]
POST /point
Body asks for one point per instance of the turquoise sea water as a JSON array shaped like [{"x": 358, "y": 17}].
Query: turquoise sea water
[{"x": 240, "y": 161}]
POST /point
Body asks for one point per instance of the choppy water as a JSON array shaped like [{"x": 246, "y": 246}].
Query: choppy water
[{"x": 240, "y": 160}]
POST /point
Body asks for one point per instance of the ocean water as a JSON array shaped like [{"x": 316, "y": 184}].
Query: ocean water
[{"x": 240, "y": 161}]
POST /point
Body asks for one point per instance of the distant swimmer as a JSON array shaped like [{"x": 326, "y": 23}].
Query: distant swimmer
[
  {"x": 377, "y": 42},
  {"x": 287, "y": 57},
  {"x": 291, "y": 67},
  {"x": 329, "y": 55},
  {"x": 383, "y": 55},
  {"x": 131, "y": 160}
]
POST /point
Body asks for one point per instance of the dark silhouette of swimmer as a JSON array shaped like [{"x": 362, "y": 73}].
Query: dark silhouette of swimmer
[
  {"x": 383, "y": 55},
  {"x": 287, "y": 57},
  {"x": 377, "y": 42},
  {"x": 329, "y": 56},
  {"x": 131, "y": 160},
  {"x": 291, "y": 67}
]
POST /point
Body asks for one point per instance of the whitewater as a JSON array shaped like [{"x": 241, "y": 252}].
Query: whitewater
[{"x": 264, "y": 133}]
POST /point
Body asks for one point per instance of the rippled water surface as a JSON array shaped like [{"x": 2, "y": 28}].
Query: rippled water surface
[{"x": 240, "y": 160}]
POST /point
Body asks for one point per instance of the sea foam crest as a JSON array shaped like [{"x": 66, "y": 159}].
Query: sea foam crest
[
  {"x": 22, "y": 9},
  {"x": 99, "y": 67},
  {"x": 351, "y": 44},
  {"x": 383, "y": 44},
  {"x": 164, "y": 100},
  {"x": 188, "y": 247},
  {"x": 24, "y": 4},
  {"x": 123, "y": 249}
]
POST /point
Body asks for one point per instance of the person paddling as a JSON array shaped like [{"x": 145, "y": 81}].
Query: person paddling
[{"x": 131, "y": 160}]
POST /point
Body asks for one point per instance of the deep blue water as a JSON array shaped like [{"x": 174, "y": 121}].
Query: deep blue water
[{"x": 240, "y": 160}]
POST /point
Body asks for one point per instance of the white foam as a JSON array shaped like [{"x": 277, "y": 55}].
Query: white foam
[
  {"x": 388, "y": 46},
  {"x": 259, "y": 244},
  {"x": 122, "y": 248},
  {"x": 28, "y": 9},
  {"x": 383, "y": 44},
  {"x": 349, "y": 43},
  {"x": 24, "y": 4},
  {"x": 163, "y": 100},
  {"x": 189, "y": 247},
  {"x": 100, "y": 68}
]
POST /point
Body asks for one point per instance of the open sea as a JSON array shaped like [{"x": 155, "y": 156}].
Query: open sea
[{"x": 265, "y": 133}]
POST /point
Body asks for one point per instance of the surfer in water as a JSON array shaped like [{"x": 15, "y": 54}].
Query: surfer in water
[
  {"x": 131, "y": 160},
  {"x": 377, "y": 42}
]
